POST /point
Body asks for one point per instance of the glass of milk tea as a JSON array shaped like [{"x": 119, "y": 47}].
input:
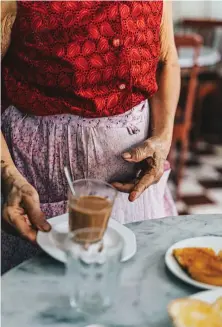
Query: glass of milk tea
[{"x": 91, "y": 206}]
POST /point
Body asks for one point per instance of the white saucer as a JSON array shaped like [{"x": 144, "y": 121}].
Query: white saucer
[
  {"x": 208, "y": 296},
  {"x": 52, "y": 242},
  {"x": 214, "y": 242}
]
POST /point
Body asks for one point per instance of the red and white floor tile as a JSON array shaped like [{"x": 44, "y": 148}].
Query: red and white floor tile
[{"x": 201, "y": 188}]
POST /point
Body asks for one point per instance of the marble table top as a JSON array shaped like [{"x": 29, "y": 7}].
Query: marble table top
[{"x": 33, "y": 294}]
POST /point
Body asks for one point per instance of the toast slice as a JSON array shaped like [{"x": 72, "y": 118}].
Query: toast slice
[
  {"x": 195, "y": 313},
  {"x": 202, "y": 264},
  {"x": 186, "y": 256},
  {"x": 217, "y": 306}
]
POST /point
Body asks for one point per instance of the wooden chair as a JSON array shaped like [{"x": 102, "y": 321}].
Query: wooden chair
[
  {"x": 205, "y": 27},
  {"x": 209, "y": 76},
  {"x": 185, "y": 108}
]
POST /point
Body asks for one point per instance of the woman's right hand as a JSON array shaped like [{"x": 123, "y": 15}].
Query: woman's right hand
[{"x": 21, "y": 208}]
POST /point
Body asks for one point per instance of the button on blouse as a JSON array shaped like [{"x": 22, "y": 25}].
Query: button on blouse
[
  {"x": 116, "y": 43},
  {"x": 88, "y": 58},
  {"x": 122, "y": 86}
]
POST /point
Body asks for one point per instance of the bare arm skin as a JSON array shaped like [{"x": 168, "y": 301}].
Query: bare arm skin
[
  {"x": 154, "y": 151},
  {"x": 21, "y": 202},
  {"x": 164, "y": 102},
  {"x": 8, "y": 15}
]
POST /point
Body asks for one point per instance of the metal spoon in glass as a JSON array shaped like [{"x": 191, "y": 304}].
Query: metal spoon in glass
[{"x": 69, "y": 180}]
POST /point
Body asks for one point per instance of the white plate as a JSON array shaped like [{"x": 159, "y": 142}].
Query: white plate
[
  {"x": 214, "y": 242},
  {"x": 208, "y": 296},
  {"x": 51, "y": 242}
]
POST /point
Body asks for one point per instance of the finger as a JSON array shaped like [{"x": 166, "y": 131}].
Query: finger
[
  {"x": 123, "y": 187},
  {"x": 139, "y": 153},
  {"x": 147, "y": 180},
  {"x": 31, "y": 205},
  {"x": 16, "y": 219},
  {"x": 35, "y": 215}
]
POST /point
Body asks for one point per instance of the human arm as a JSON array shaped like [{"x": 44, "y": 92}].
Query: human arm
[
  {"x": 8, "y": 15},
  {"x": 21, "y": 208},
  {"x": 154, "y": 151},
  {"x": 164, "y": 102}
]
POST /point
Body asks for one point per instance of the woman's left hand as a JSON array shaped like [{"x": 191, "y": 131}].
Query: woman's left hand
[{"x": 152, "y": 156}]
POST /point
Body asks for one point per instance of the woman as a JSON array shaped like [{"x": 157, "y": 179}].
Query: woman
[{"x": 76, "y": 79}]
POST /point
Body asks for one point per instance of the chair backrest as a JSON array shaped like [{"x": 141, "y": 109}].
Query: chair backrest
[
  {"x": 207, "y": 28},
  {"x": 193, "y": 41},
  {"x": 202, "y": 22}
]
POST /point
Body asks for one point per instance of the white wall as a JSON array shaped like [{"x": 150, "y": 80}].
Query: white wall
[
  {"x": 199, "y": 9},
  {"x": 216, "y": 9}
]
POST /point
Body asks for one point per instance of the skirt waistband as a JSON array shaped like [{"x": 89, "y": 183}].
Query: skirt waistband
[{"x": 135, "y": 115}]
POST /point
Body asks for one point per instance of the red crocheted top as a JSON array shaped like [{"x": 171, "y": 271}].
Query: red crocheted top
[{"x": 89, "y": 58}]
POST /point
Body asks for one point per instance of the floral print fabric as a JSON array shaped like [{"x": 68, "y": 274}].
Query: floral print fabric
[
  {"x": 89, "y": 58},
  {"x": 41, "y": 146},
  {"x": 91, "y": 148}
]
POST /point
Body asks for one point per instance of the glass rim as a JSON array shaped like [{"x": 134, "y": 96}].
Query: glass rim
[{"x": 94, "y": 180}]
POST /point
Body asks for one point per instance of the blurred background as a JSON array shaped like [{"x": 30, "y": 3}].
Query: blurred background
[{"x": 196, "y": 153}]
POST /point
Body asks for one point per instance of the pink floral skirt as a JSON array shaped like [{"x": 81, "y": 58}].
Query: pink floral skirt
[{"x": 91, "y": 148}]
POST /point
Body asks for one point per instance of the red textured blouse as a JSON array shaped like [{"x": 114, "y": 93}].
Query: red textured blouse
[{"x": 89, "y": 58}]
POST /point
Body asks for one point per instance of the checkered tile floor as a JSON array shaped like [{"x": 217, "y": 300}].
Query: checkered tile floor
[{"x": 201, "y": 188}]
